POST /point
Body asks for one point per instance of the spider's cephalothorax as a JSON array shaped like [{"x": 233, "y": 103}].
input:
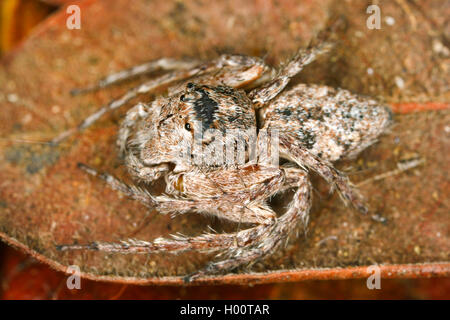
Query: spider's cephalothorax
[
  {"x": 178, "y": 129},
  {"x": 208, "y": 102}
]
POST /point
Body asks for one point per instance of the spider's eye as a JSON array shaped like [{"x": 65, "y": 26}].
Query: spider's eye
[
  {"x": 183, "y": 98},
  {"x": 187, "y": 126}
]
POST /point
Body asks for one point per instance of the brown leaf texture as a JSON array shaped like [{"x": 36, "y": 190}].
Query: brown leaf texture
[{"x": 46, "y": 200}]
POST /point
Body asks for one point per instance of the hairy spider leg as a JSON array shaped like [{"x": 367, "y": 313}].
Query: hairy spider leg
[
  {"x": 146, "y": 87},
  {"x": 242, "y": 247},
  {"x": 319, "y": 45},
  {"x": 291, "y": 148},
  {"x": 274, "y": 235},
  {"x": 165, "y": 64},
  {"x": 166, "y": 79}
]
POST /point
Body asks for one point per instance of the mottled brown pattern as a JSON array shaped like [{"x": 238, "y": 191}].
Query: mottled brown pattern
[{"x": 172, "y": 136}]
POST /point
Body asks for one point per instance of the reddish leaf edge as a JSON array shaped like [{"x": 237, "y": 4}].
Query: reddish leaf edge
[{"x": 387, "y": 271}]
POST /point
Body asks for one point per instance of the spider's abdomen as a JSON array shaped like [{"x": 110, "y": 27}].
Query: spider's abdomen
[{"x": 331, "y": 123}]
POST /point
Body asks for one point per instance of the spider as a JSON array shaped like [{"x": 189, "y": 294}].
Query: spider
[{"x": 314, "y": 125}]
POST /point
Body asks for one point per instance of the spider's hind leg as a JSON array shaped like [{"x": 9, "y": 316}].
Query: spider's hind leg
[
  {"x": 262, "y": 95},
  {"x": 293, "y": 150},
  {"x": 273, "y": 236},
  {"x": 319, "y": 45},
  {"x": 165, "y": 204},
  {"x": 205, "y": 242}
]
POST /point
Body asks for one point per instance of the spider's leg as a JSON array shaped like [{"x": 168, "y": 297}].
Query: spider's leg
[
  {"x": 163, "y": 204},
  {"x": 133, "y": 115},
  {"x": 134, "y": 164},
  {"x": 255, "y": 67},
  {"x": 244, "y": 246},
  {"x": 144, "y": 173},
  {"x": 292, "y": 149},
  {"x": 131, "y": 191},
  {"x": 232, "y": 70},
  {"x": 166, "y": 204},
  {"x": 146, "y": 87},
  {"x": 319, "y": 45},
  {"x": 166, "y": 64},
  {"x": 294, "y": 176},
  {"x": 246, "y": 71},
  {"x": 178, "y": 243},
  {"x": 279, "y": 232},
  {"x": 262, "y": 95}
]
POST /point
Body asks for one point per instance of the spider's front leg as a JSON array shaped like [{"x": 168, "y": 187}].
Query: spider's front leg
[
  {"x": 203, "y": 193},
  {"x": 144, "y": 88},
  {"x": 238, "y": 71},
  {"x": 166, "y": 64}
]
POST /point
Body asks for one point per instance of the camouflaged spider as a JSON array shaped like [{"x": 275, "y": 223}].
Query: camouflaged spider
[{"x": 316, "y": 125}]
